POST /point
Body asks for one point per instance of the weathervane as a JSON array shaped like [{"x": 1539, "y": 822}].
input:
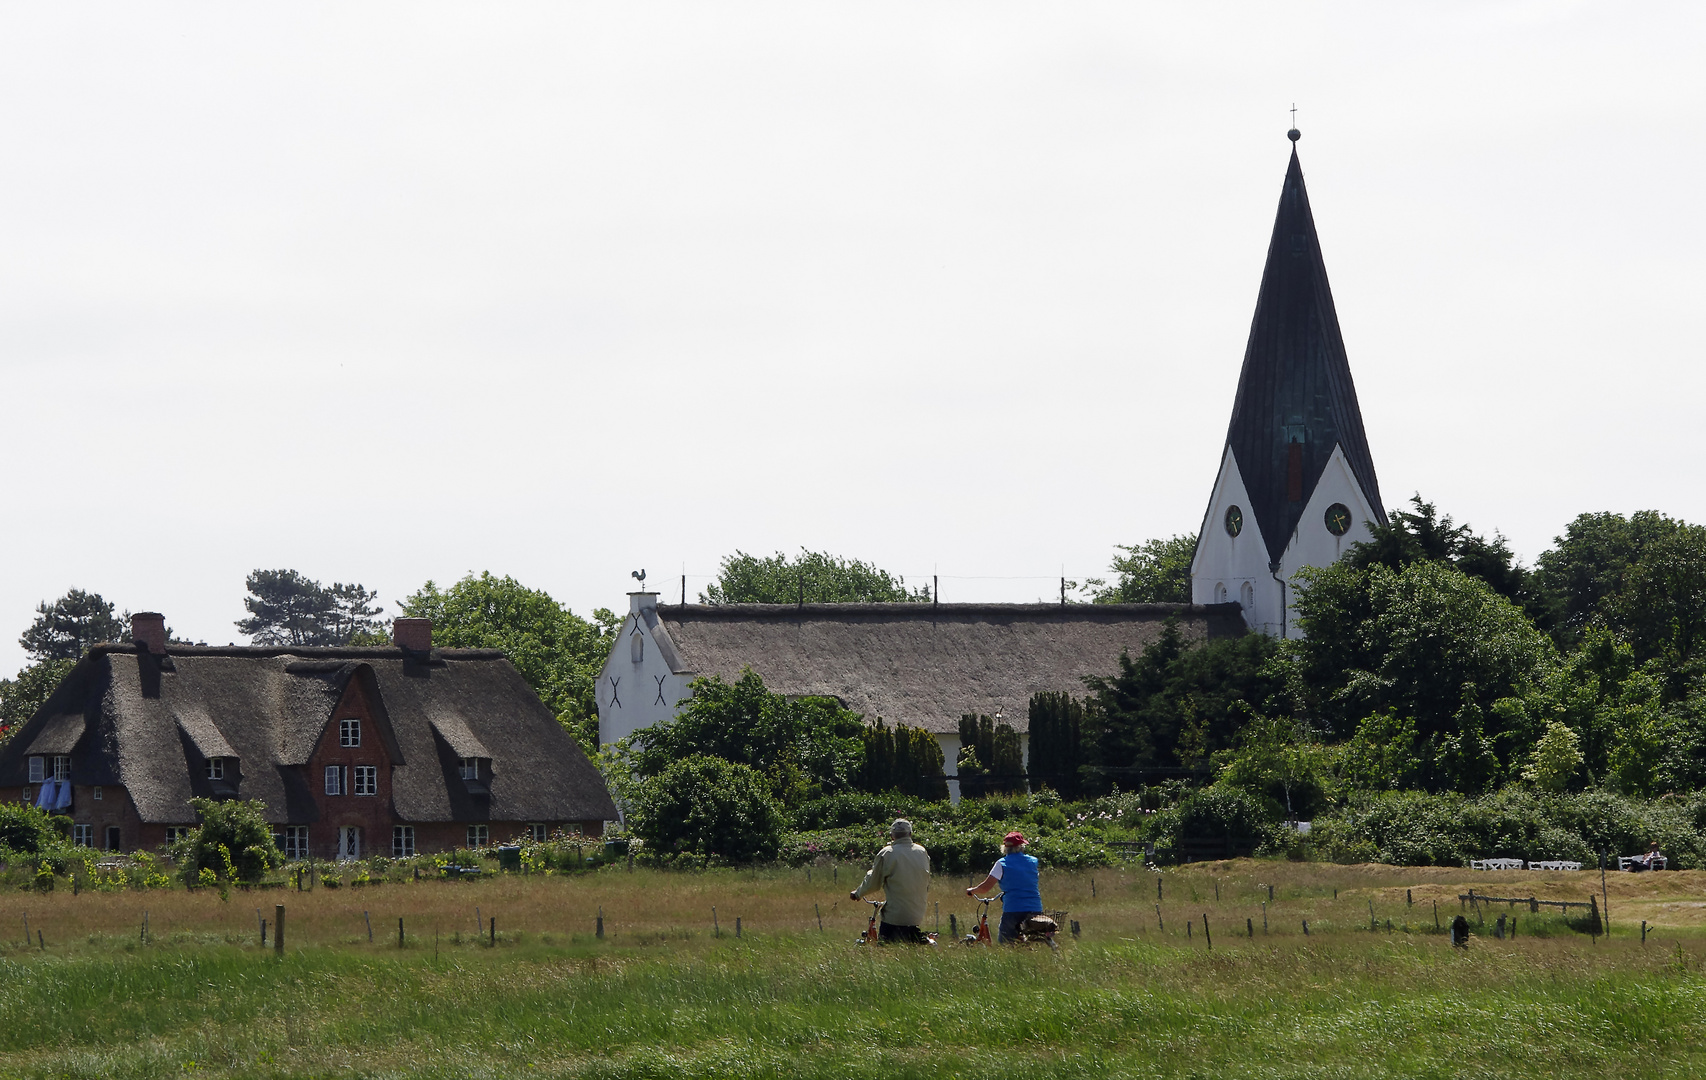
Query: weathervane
[{"x": 639, "y": 576}]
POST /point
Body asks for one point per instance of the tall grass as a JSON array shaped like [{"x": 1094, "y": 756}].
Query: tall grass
[{"x": 660, "y": 995}]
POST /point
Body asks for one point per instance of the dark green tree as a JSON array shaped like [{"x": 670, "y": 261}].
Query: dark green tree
[
  {"x": 556, "y": 651},
  {"x": 22, "y": 696},
  {"x": 904, "y": 759},
  {"x": 1422, "y": 534},
  {"x": 1154, "y": 572},
  {"x": 233, "y": 840},
  {"x": 1057, "y": 743},
  {"x": 286, "y": 608},
  {"x": 354, "y": 618},
  {"x": 63, "y": 629},
  {"x": 991, "y": 759},
  {"x": 1176, "y": 704},
  {"x": 813, "y": 578},
  {"x": 804, "y": 747},
  {"x": 706, "y": 806},
  {"x": 1586, "y": 569},
  {"x": 24, "y": 830}
]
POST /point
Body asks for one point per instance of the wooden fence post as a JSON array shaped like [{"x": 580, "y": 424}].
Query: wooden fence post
[{"x": 278, "y": 930}]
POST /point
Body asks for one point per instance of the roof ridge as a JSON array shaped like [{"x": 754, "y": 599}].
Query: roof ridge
[{"x": 314, "y": 652}]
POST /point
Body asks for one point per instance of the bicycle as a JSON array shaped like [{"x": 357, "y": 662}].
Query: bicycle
[
  {"x": 873, "y": 936},
  {"x": 1041, "y": 928}
]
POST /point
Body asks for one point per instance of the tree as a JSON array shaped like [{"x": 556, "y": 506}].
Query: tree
[
  {"x": 804, "y": 747},
  {"x": 1176, "y": 704},
  {"x": 63, "y": 629},
  {"x": 1556, "y": 759},
  {"x": 705, "y": 806},
  {"x": 1154, "y": 572},
  {"x": 904, "y": 759},
  {"x": 813, "y": 578},
  {"x": 1424, "y": 535},
  {"x": 286, "y": 608},
  {"x": 22, "y": 696},
  {"x": 1662, "y": 603},
  {"x": 991, "y": 759},
  {"x": 1586, "y": 568},
  {"x": 556, "y": 651},
  {"x": 1057, "y": 743},
  {"x": 24, "y": 830},
  {"x": 1428, "y": 642},
  {"x": 354, "y": 616}
]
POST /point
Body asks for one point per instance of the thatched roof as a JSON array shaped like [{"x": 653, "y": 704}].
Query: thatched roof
[
  {"x": 924, "y": 665},
  {"x": 143, "y": 721}
]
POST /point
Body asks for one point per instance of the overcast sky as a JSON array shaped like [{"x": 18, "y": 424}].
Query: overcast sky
[{"x": 386, "y": 293}]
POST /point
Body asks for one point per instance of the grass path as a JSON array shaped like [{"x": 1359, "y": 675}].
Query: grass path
[{"x": 661, "y": 996}]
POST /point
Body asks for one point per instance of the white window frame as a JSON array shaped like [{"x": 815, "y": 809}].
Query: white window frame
[
  {"x": 96, "y": 793},
  {"x": 402, "y": 841},
  {"x": 335, "y": 780},
  {"x": 479, "y": 836},
  {"x": 38, "y": 769},
  {"x": 293, "y": 842},
  {"x": 349, "y": 843},
  {"x": 62, "y": 766},
  {"x": 83, "y": 835},
  {"x": 216, "y": 768},
  {"x": 349, "y": 731},
  {"x": 470, "y": 768},
  {"x": 174, "y": 833},
  {"x": 537, "y": 832},
  {"x": 366, "y": 780}
]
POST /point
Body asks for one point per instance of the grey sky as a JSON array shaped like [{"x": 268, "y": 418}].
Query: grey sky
[{"x": 395, "y": 292}]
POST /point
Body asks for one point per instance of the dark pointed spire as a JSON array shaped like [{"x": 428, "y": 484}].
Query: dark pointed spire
[{"x": 1295, "y": 389}]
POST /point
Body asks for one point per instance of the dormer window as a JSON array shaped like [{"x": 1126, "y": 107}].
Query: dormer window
[
  {"x": 349, "y": 732},
  {"x": 216, "y": 768},
  {"x": 38, "y": 769},
  {"x": 62, "y": 766},
  {"x": 470, "y": 769}
]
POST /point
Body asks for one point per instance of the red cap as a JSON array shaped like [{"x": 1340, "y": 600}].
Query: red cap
[{"x": 1015, "y": 838}]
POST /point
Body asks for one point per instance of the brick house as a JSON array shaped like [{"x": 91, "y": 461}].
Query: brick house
[{"x": 355, "y": 751}]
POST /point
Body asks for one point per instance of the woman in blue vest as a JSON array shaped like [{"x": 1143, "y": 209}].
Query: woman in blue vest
[{"x": 1016, "y": 873}]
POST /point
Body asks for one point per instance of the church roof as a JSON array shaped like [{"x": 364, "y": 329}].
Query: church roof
[
  {"x": 923, "y": 665},
  {"x": 1296, "y": 382}
]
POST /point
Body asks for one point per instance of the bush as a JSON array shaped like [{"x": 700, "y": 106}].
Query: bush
[
  {"x": 859, "y": 808},
  {"x": 28, "y": 831},
  {"x": 234, "y": 842},
  {"x": 705, "y": 806},
  {"x": 1218, "y": 812}
]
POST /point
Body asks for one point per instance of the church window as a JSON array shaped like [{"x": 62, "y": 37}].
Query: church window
[
  {"x": 1220, "y": 592},
  {"x": 1247, "y": 596}
]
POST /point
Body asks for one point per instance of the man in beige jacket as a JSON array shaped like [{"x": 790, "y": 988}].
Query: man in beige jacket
[{"x": 902, "y": 871}]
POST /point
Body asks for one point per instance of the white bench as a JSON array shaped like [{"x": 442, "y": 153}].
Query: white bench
[
  {"x": 1495, "y": 864},
  {"x": 1554, "y": 864},
  {"x": 1657, "y": 862}
]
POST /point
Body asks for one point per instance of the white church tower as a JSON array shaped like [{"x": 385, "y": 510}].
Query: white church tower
[{"x": 1296, "y": 485}]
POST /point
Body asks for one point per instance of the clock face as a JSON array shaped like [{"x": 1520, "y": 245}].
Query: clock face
[
  {"x": 1234, "y": 521},
  {"x": 1338, "y": 519}
]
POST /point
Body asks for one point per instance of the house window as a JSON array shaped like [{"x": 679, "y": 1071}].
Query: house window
[
  {"x": 294, "y": 842},
  {"x": 174, "y": 833},
  {"x": 62, "y": 766},
  {"x": 478, "y": 836},
  {"x": 367, "y": 779},
  {"x": 402, "y": 841},
  {"x": 37, "y": 772},
  {"x": 349, "y": 732},
  {"x": 115, "y": 838},
  {"x": 83, "y": 835},
  {"x": 334, "y": 779},
  {"x": 216, "y": 768},
  {"x": 536, "y": 833},
  {"x": 97, "y": 793},
  {"x": 470, "y": 768}
]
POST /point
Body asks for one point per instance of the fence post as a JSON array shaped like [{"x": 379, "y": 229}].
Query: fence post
[
  {"x": 737, "y": 927},
  {"x": 399, "y": 931},
  {"x": 716, "y": 931},
  {"x": 494, "y": 926},
  {"x": 368, "y": 919},
  {"x": 1250, "y": 925},
  {"x": 600, "y": 932},
  {"x": 277, "y": 929},
  {"x": 1206, "y": 936},
  {"x": 819, "y": 909}
]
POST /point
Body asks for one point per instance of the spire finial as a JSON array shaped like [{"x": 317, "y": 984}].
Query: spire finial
[{"x": 1294, "y": 134}]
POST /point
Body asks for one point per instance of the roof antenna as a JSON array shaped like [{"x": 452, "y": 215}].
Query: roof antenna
[{"x": 1294, "y": 134}]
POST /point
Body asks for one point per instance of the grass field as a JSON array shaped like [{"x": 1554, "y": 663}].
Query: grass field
[{"x": 662, "y": 995}]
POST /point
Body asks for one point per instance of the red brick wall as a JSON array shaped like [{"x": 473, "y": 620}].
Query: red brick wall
[
  {"x": 113, "y": 808},
  {"x": 373, "y": 814}
]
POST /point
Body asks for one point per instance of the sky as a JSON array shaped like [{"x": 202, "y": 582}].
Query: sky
[{"x": 396, "y": 292}]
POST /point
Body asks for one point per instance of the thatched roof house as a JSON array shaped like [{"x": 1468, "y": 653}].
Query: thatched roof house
[
  {"x": 922, "y": 665},
  {"x": 355, "y": 751}
]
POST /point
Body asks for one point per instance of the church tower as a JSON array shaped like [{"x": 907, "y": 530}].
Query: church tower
[{"x": 1296, "y": 485}]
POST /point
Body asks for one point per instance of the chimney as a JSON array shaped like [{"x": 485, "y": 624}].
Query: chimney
[
  {"x": 642, "y": 601},
  {"x": 414, "y": 635},
  {"x": 148, "y": 630}
]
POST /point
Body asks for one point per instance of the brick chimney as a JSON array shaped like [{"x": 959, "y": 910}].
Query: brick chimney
[
  {"x": 148, "y": 630},
  {"x": 412, "y": 634}
]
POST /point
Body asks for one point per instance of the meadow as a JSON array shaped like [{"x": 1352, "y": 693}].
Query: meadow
[{"x": 663, "y": 993}]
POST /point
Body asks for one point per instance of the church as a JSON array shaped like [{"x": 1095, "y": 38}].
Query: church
[{"x": 1296, "y": 485}]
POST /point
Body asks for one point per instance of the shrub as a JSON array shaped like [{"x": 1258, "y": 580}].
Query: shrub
[
  {"x": 858, "y": 808},
  {"x": 705, "y": 806},
  {"x": 239, "y": 828},
  {"x": 28, "y": 831}
]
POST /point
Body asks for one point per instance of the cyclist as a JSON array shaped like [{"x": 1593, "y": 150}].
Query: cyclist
[
  {"x": 1016, "y": 874},
  {"x": 902, "y": 871}
]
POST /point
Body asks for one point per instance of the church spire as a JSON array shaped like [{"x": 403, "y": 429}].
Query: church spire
[{"x": 1296, "y": 400}]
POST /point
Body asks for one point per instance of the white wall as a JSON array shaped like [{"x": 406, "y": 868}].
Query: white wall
[
  {"x": 636, "y": 687},
  {"x": 1311, "y": 544}
]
